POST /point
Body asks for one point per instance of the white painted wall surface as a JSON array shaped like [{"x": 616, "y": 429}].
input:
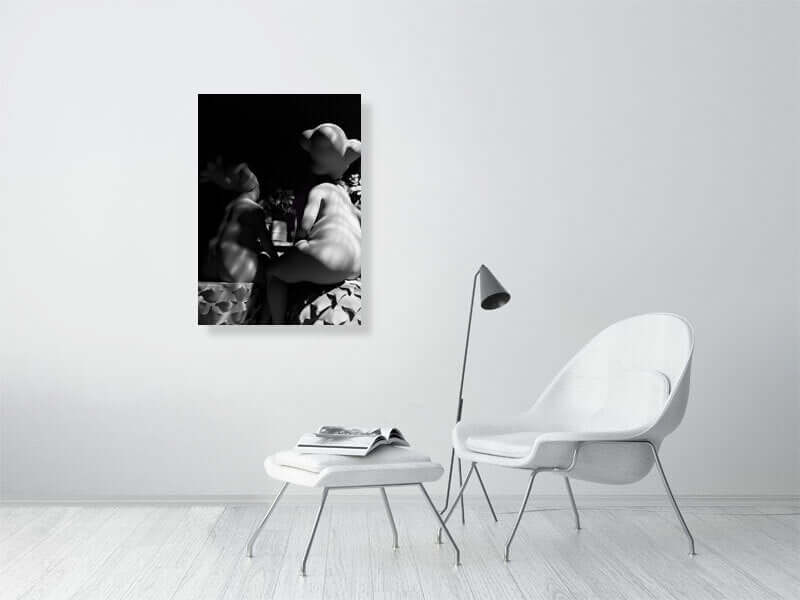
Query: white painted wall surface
[{"x": 604, "y": 159}]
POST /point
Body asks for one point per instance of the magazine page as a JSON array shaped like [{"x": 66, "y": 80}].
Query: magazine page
[
  {"x": 394, "y": 436},
  {"x": 340, "y": 431},
  {"x": 387, "y": 431},
  {"x": 349, "y": 440},
  {"x": 391, "y": 434}
]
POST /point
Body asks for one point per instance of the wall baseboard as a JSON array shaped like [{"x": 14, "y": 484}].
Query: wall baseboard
[{"x": 362, "y": 495}]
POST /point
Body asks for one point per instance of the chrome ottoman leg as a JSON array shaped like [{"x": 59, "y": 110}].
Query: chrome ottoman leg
[
  {"x": 313, "y": 531},
  {"x": 391, "y": 518},
  {"x": 442, "y": 523},
  {"x": 264, "y": 520}
]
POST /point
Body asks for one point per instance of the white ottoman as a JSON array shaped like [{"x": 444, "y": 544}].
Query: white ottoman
[{"x": 385, "y": 467}]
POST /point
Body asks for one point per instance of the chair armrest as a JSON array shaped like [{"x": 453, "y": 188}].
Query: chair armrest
[
  {"x": 573, "y": 439},
  {"x": 558, "y": 449}
]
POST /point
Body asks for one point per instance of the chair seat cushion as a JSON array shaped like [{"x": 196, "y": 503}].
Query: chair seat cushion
[
  {"x": 508, "y": 445},
  {"x": 387, "y": 465}
]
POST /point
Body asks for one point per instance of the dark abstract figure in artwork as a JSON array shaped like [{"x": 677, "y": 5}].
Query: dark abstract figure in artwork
[
  {"x": 327, "y": 249},
  {"x": 241, "y": 242}
]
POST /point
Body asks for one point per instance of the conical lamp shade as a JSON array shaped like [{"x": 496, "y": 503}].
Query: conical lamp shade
[{"x": 493, "y": 294}]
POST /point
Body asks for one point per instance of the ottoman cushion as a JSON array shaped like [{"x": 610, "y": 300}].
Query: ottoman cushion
[{"x": 386, "y": 465}]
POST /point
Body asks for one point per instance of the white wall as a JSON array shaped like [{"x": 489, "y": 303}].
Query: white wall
[{"x": 604, "y": 159}]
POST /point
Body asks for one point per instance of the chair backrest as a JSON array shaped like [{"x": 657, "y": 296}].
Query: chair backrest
[{"x": 633, "y": 376}]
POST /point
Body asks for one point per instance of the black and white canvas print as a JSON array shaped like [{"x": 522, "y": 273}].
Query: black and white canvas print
[{"x": 279, "y": 209}]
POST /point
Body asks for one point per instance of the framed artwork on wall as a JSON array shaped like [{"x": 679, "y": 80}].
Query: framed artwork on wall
[{"x": 279, "y": 209}]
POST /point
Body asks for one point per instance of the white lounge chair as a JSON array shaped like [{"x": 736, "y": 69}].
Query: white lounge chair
[{"x": 601, "y": 419}]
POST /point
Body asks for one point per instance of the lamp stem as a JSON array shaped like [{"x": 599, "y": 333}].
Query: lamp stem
[{"x": 466, "y": 347}]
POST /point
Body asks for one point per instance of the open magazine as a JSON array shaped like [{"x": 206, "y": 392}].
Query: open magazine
[{"x": 349, "y": 441}]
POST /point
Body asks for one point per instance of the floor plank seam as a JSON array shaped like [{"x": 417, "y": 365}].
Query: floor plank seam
[
  {"x": 103, "y": 563},
  {"x": 50, "y": 534},
  {"x": 285, "y": 550},
  {"x": 200, "y": 547}
]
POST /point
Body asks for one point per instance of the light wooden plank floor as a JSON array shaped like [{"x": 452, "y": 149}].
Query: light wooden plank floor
[{"x": 626, "y": 549}]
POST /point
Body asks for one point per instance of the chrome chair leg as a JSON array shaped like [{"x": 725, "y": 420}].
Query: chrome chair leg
[
  {"x": 313, "y": 531},
  {"x": 449, "y": 481},
  {"x": 391, "y": 518},
  {"x": 485, "y": 493},
  {"x": 442, "y": 523},
  {"x": 519, "y": 516},
  {"x": 461, "y": 482},
  {"x": 672, "y": 499},
  {"x": 455, "y": 502},
  {"x": 258, "y": 529},
  {"x": 572, "y": 501}
]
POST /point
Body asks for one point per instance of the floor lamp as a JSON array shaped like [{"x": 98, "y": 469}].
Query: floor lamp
[{"x": 493, "y": 295}]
